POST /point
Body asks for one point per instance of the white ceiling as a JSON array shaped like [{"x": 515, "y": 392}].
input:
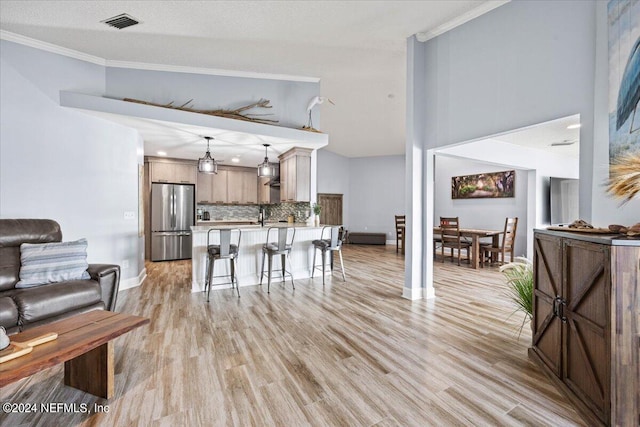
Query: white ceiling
[
  {"x": 541, "y": 136},
  {"x": 356, "y": 48}
]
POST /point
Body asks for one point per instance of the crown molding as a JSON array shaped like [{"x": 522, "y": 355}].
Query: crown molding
[
  {"x": 49, "y": 47},
  {"x": 459, "y": 20},
  {"x": 209, "y": 71}
]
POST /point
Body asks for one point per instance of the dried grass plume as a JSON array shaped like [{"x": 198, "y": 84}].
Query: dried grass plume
[{"x": 624, "y": 178}]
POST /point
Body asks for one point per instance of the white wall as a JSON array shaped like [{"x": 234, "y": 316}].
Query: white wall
[
  {"x": 523, "y": 63},
  {"x": 376, "y": 193},
  {"x": 62, "y": 164},
  {"x": 333, "y": 177},
  {"x": 373, "y": 189},
  {"x": 480, "y": 213}
]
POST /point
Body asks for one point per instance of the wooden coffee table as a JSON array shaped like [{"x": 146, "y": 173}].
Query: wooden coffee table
[{"x": 84, "y": 344}]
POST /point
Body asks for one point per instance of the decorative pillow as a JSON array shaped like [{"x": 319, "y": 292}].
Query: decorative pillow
[{"x": 52, "y": 262}]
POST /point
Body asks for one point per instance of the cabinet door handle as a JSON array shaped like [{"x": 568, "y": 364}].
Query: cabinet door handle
[{"x": 562, "y": 305}]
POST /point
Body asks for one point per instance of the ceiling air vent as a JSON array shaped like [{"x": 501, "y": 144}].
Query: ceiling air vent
[{"x": 121, "y": 21}]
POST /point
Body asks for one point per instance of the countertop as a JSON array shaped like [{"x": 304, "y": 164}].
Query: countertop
[
  {"x": 607, "y": 239},
  {"x": 250, "y": 227}
]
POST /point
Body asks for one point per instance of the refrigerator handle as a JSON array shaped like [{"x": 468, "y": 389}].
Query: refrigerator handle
[{"x": 173, "y": 207}]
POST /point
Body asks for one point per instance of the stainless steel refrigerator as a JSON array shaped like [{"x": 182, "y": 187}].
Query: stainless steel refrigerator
[{"x": 172, "y": 215}]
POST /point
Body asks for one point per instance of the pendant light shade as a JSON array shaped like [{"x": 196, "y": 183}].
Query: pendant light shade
[
  {"x": 265, "y": 169},
  {"x": 207, "y": 164}
]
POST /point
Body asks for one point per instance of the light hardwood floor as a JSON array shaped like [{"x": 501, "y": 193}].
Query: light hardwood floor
[{"x": 348, "y": 354}]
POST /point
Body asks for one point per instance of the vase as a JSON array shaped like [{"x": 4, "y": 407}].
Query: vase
[{"x": 316, "y": 220}]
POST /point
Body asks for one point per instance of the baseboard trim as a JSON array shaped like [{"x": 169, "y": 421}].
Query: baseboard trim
[
  {"x": 413, "y": 293},
  {"x": 133, "y": 282}
]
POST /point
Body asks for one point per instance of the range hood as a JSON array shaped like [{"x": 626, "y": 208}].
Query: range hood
[{"x": 275, "y": 181}]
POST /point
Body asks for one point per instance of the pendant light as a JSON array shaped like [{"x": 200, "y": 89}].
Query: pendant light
[
  {"x": 265, "y": 169},
  {"x": 207, "y": 164}
]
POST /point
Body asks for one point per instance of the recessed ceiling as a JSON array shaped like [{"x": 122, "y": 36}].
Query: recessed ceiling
[
  {"x": 553, "y": 136},
  {"x": 356, "y": 48}
]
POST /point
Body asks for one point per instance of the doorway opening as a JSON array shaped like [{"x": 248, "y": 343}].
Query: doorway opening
[{"x": 537, "y": 153}]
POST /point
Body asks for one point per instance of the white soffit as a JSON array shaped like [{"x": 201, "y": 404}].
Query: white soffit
[{"x": 180, "y": 133}]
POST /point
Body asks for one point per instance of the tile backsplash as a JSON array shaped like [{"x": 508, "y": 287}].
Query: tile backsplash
[{"x": 280, "y": 211}]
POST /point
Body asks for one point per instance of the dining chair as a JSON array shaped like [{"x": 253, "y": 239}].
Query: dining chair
[
  {"x": 328, "y": 242},
  {"x": 400, "y": 230},
  {"x": 281, "y": 246},
  {"x": 507, "y": 245},
  {"x": 450, "y": 235},
  {"x": 227, "y": 248}
]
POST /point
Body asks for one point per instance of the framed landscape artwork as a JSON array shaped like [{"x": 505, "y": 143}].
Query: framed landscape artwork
[{"x": 484, "y": 185}]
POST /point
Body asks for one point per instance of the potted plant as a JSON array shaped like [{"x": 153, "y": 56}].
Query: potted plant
[
  {"x": 519, "y": 275},
  {"x": 316, "y": 211}
]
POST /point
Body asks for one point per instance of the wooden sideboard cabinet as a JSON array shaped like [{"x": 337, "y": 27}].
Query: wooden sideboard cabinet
[{"x": 586, "y": 315}]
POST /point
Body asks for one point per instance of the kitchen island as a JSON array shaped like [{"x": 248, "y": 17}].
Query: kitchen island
[{"x": 249, "y": 260}]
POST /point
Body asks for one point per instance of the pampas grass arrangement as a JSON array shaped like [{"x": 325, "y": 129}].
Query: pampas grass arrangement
[{"x": 624, "y": 178}]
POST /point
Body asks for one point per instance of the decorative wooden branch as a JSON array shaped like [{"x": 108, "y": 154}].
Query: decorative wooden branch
[{"x": 229, "y": 114}]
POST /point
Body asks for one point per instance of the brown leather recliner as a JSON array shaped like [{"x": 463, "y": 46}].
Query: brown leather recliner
[{"x": 25, "y": 308}]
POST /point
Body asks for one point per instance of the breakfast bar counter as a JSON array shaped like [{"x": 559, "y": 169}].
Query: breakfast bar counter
[{"x": 249, "y": 259}]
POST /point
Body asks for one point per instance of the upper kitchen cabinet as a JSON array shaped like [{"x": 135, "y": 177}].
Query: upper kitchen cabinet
[
  {"x": 173, "y": 171},
  {"x": 233, "y": 185},
  {"x": 220, "y": 187},
  {"x": 242, "y": 186},
  {"x": 212, "y": 188},
  {"x": 295, "y": 175},
  {"x": 264, "y": 191}
]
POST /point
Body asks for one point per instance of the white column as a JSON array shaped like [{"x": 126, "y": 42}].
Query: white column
[{"x": 414, "y": 194}]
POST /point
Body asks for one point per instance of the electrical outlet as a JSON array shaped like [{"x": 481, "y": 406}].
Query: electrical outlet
[
  {"x": 129, "y": 215},
  {"x": 125, "y": 263}
]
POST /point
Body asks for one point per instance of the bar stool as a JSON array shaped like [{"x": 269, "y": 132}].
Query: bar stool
[
  {"x": 224, "y": 250},
  {"x": 281, "y": 247},
  {"x": 332, "y": 244}
]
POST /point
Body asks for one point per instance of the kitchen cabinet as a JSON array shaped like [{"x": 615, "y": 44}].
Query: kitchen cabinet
[
  {"x": 219, "y": 187},
  {"x": 264, "y": 191},
  {"x": 582, "y": 286},
  {"x": 233, "y": 185},
  {"x": 250, "y": 187},
  {"x": 177, "y": 172},
  {"x": 212, "y": 188},
  {"x": 295, "y": 175},
  {"x": 243, "y": 186},
  {"x": 204, "y": 188}
]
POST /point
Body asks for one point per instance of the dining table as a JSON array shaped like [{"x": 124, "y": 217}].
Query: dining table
[{"x": 476, "y": 235}]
